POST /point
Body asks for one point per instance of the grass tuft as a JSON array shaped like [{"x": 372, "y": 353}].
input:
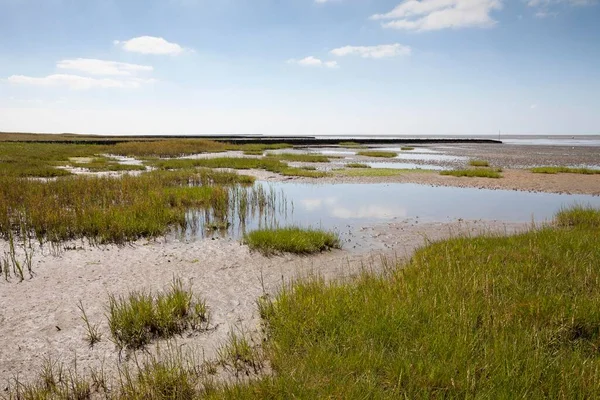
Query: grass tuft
[
  {"x": 357, "y": 165},
  {"x": 579, "y": 217},
  {"x": 93, "y": 334},
  {"x": 479, "y": 163},
  {"x": 137, "y": 319},
  {"x": 380, "y": 154},
  {"x": 291, "y": 240},
  {"x": 474, "y": 173},
  {"x": 406, "y": 148},
  {"x": 564, "y": 170}
]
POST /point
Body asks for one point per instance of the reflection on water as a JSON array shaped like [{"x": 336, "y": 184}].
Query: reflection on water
[
  {"x": 392, "y": 165},
  {"x": 345, "y": 206}
]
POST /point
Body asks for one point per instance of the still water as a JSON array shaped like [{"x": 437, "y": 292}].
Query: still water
[{"x": 343, "y": 206}]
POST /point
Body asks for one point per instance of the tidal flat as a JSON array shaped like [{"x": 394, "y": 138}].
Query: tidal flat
[{"x": 141, "y": 216}]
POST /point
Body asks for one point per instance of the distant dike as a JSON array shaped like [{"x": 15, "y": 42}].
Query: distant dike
[{"x": 237, "y": 139}]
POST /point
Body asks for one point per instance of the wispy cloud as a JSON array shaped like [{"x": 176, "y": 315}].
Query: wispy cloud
[
  {"x": 311, "y": 61},
  {"x": 102, "y": 67},
  {"x": 380, "y": 51},
  {"x": 547, "y": 8},
  {"x": 431, "y": 15},
  {"x": 77, "y": 82},
  {"x": 150, "y": 45}
]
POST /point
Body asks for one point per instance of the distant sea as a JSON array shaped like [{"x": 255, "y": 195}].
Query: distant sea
[{"x": 530, "y": 140}]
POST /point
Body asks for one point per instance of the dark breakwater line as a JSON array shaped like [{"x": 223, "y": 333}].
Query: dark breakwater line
[{"x": 235, "y": 139}]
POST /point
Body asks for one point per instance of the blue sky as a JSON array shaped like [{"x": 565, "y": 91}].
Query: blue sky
[{"x": 300, "y": 66}]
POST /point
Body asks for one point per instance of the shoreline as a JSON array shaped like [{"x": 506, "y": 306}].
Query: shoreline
[{"x": 512, "y": 180}]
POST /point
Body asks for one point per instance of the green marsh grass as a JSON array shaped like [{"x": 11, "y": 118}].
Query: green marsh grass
[
  {"x": 93, "y": 334},
  {"x": 54, "y": 382},
  {"x": 41, "y": 159},
  {"x": 479, "y": 163},
  {"x": 469, "y": 317},
  {"x": 474, "y": 173},
  {"x": 578, "y": 216},
  {"x": 267, "y": 164},
  {"x": 482, "y": 317},
  {"x": 350, "y": 144},
  {"x": 241, "y": 354},
  {"x": 292, "y": 240},
  {"x": 167, "y": 148},
  {"x": 108, "y": 210},
  {"x": 380, "y": 154},
  {"x": 137, "y": 319},
  {"x": 303, "y": 173},
  {"x": 564, "y": 170},
  {"x": 406, "y": 148},
  {"x": 172, "y": 376},
  {"x": 262, "y": 147},
  {"x": 357, "y": 165}
]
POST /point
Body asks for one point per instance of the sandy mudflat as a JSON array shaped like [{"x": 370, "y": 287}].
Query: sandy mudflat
[
  {"x": 515, "y": 160},
  {"x": 522, "y": 180},
  {"x": 39, "y": 317}
]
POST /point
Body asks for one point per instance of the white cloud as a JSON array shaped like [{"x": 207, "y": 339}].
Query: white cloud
[
  {"x": 311, "y": 61},
  {"x": 101, "y": 67},
  {"x": 77, "y": 82},
  {"x": 381, "y": 51},
  {"x": 430, "y": 15},
  {"x": 150, "y": 45}
]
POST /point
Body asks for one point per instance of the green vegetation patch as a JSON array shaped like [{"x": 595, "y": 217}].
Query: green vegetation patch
[
  {"x": 292, "y": 240},
  {"x": 479, "y": 163},
  {"x": 406, "y": 148},
  {"x": 41, "y": 159},
  {"x": 564, "y": 170},
  {"x": 350, "y": 144},
  {"x": 109, "y": 210},
  {"x": 474, "y": 173},
  {"x": 140, "y": 317},
  {"x": 579, "y": 216},
  {"x": 357, "y": 165},
  {"x": 168, "y": 148},
  {"x": 485, "y": 317},
  {"x": 380, "y": 154},
  {"x": 267, "y": 164}
]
